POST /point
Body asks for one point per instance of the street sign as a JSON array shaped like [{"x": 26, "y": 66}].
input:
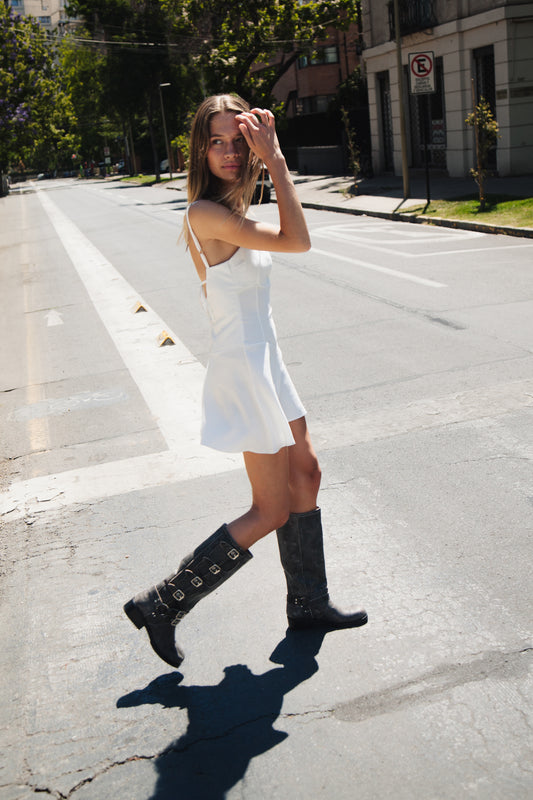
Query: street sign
[{"x": 422, "y": 73}]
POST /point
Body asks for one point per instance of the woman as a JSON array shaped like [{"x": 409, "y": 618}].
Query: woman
[{"x": 249, "y": 403}]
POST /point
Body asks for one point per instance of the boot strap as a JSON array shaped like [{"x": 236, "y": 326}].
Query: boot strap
[{"x": 199, "y": 574}]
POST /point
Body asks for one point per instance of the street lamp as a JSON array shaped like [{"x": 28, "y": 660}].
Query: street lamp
[{"x": 165, "y": 128}]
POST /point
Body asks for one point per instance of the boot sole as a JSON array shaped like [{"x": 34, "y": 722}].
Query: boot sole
[
  {"x": 134, "y": 614},
  {"x": 317, "y": 624},
  {"x": 137, "y": 618}
]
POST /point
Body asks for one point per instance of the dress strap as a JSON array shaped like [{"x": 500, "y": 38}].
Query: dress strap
[{"x": 196, "y": 242}]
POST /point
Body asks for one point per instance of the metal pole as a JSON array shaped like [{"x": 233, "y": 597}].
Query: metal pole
[
  {"x": 165, "y": 129},
  {"x": 426, "y": 145},
  {"x": 403, "y": 135}
]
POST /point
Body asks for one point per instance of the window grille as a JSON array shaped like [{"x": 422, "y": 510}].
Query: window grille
[{"x": 485, "y": 85}]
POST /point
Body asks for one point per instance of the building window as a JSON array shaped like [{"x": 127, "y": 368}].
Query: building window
[
  {"x": 415, "y": 15},
  {"x": 317, "y": 104},
  {"x": 386, "y": 131},
  {"x": 326, "y": 55},
  {"x": 485, "y": 83},
  {"x": 16, "y": 3},
  {"x": 484, "y": 74},
  {"x": 45, "y": 20}
]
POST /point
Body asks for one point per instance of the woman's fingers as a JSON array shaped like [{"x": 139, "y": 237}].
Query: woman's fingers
[
  {"x": 258, "y": 128},
  {"x": 266, "y": 116},
  {"x": 250, "y": 118}
]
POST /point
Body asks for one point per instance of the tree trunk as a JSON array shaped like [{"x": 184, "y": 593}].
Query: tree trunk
[{"x": 150, "y": 117}]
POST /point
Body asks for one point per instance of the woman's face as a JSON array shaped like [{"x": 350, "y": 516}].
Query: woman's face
[{"x": 228, "y": 151}]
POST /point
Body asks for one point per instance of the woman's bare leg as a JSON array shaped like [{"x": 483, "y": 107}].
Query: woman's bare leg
[
  {"x": 269, "y": 478},
  {"x": 285, "y": 482},
  {"x": 304, "y": 470}
]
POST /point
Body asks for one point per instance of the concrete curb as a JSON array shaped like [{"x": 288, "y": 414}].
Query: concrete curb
[{"x": 446, "y": 223}]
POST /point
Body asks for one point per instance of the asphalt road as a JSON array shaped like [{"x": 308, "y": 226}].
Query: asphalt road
[{"x": 412, "y": 348}]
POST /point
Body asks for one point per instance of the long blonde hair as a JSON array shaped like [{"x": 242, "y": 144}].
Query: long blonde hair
[{"x": 201, "y": 184}]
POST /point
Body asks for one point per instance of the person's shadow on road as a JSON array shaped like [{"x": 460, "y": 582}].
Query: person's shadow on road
[{"x": 229, "y": 724}]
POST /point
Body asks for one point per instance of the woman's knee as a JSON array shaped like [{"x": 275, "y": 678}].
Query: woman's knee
[
  {"x": 273, "y": 515},
  {"x": 307, "y": 476}
]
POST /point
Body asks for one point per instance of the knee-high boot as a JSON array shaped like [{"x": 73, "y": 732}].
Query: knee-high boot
[
  {"x": 301, "y": 549},
  {"x": 162, "y": 607}
]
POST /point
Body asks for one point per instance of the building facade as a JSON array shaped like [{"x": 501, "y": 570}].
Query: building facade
[
  {"x": 50, "y": 14},
  {"x": 313, "y": 139},
  {"x": 311, "y": 83},
  {"x": 478, "y": 48}
]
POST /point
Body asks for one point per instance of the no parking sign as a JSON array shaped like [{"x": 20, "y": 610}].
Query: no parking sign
[{"x": 422, "y": 73}]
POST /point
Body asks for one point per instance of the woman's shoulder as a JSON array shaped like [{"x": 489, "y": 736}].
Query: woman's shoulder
[
  {"x": 205, "y": 210},
  {"x": 208, "y": 217}
]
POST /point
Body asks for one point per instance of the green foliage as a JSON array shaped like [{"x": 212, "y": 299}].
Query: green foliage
[
  {"x": 353, "y": 92},
  {"x": 37, "y": 124},
  {"x": 499, "y": 210},
  {"x": 136, "y": 58},
  {"x": 226, "y": 41},
  {"x": 83, "y": 68},
  {"x": 486, "y": 129},
  {"x": 200, "y": 47},
  {"x": 181, "y": 142}
]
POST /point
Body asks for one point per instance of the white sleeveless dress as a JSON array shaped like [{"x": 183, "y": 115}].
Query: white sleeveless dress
[{"x": 248, "y": 396}]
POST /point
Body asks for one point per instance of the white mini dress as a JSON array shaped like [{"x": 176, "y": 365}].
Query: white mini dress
[{"x": 248, "y": 397}]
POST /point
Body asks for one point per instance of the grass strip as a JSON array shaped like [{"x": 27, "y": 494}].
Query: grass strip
[
  {"x": 499, "y": 210},
  {"x": 145, "y": 180}
]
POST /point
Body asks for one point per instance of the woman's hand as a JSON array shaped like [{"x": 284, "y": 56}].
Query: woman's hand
[{"x": 260, "y": 134}]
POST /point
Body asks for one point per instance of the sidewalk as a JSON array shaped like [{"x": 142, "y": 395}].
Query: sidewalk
[{"x": 382, "y": 196}]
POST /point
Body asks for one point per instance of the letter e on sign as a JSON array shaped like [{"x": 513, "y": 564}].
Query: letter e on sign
[{"x": 422, "y": 73}]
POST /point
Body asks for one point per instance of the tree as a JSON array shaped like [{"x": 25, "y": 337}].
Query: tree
[
  {"x": 83, "y": 68},
  {"x": 36, "y": 117},
  {"x": 486, "y": 130},
  {"x": 200, "y": 47},
  {"x": 228, "y": 41},
  {"x": 133, "y": 39}
]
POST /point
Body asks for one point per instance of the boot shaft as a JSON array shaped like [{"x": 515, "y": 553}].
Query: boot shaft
[
  {"x": 301, "y": 548},
  {"x": 199, "y": 573}
]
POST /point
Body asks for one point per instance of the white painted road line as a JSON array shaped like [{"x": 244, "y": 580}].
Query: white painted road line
[
  {"x": 406, "y": 276},
  {"x": 365, "y": 237},
  {"x": 89, "y": 484},
  {"x": 170, "y": 379}
]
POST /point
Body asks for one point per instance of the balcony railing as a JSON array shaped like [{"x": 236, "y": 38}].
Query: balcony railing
[{"x": 415, "y": 15}]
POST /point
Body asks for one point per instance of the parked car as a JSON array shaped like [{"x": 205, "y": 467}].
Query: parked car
[
  {"x": 264, "y": 185},
  {"x": 4, "y": 184}
]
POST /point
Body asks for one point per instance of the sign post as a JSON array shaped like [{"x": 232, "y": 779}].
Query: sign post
[{"x": 422, "y": 81}]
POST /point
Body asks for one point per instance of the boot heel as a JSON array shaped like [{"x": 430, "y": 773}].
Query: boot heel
[{"x": 134, "y": 614}]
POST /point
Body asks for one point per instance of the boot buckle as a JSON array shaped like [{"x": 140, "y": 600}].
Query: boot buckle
[
  {"x": 179, "y": 616},
  {"x": 233, "y": 554},
  {"x": 197, "y": 581},
  {"x": 215, "y": 569},
  {"x": 178, "y": 595}
]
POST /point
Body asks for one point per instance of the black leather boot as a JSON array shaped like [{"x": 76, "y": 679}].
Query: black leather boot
[
  {"x": 162, "y": 607},
  {"x": 302, "y": 556}
]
